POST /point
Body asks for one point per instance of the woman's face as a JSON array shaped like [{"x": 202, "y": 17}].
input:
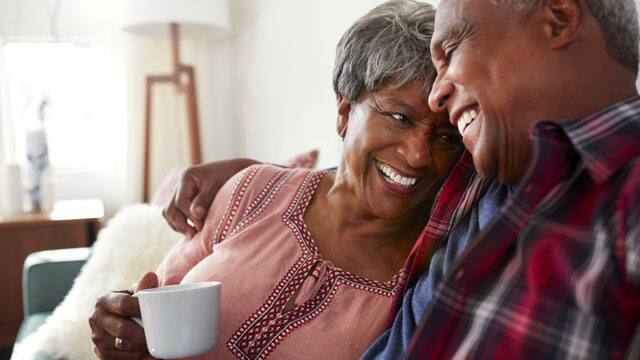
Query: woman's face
[{"x": 396, "y": 150}]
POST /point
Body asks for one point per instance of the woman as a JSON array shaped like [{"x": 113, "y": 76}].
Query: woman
[{"x": 310, "y": 259}]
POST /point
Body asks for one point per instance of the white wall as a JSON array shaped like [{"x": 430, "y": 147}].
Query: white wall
[
  {"x": 283, "y": 59},
  {"x": 284, "y": 51}
]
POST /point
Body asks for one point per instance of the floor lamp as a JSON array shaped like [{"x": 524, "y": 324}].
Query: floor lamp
[{"x": 175, "y": 17}]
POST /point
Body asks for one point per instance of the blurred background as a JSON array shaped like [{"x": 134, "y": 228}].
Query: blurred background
[{"x": 263, "y": 89}]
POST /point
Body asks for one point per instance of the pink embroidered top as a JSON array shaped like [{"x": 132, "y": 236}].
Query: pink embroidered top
[{"x": 280, "y": 298}]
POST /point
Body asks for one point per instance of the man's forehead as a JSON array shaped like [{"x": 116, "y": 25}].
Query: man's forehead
[
  {"x": 452, "y": 7},
  {"x": 450, "y": 17},
  {"x": 454, "y": 15},
  {"x": 466, "y": 9}
]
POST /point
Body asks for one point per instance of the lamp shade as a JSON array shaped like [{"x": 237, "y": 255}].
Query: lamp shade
[{"x": 195, "y": 17}]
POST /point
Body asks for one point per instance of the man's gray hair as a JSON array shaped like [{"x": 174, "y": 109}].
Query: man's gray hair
[
  {"x": 618, "y": 20},
  {"x": 388, "y": 46}
]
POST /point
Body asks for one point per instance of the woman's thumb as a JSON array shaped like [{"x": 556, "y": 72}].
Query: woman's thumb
[{"x": 148, "y": 281}]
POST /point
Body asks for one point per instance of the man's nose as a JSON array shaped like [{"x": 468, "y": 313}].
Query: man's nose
[{"x": 440, "y": 94}]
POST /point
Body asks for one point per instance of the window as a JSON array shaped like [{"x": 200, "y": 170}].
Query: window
[
  {"x": 70, "y": 85},
  {"x": 79, "y": 90}
]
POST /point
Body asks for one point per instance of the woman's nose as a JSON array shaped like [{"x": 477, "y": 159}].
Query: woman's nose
[
  {"x": 440, "y": 94},
  {"x": 416, "y": 150}
]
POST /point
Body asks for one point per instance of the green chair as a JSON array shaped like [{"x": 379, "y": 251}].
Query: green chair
[{"x": 47, "y": 277}]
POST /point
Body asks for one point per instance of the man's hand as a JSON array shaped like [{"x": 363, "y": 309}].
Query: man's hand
[
  {"x": 111, "y": 319},
  {"x": 196, "y": 189}
]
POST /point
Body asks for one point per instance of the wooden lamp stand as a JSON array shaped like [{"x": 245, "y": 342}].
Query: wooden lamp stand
[{"x": 183, "y": 78}]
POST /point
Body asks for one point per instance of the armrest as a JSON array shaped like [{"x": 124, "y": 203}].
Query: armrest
[{"x": 47, "y": 277}]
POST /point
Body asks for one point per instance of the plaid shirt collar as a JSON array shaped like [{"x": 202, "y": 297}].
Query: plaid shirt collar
[
  {"x": 458, "y": 195},
  {"x": 607, "y": 139}
]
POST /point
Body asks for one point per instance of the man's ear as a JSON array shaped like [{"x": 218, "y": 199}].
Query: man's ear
[
  {"x": 564, "y": 20},
  {"x": 344, "y": 109}
]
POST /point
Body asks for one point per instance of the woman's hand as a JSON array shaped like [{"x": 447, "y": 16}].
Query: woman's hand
[
  {"x": 196, "y": 189},
  {"x": 114, "y": 334}
]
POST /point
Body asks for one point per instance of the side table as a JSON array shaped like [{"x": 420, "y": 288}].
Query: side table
[{"x": 72, "y": 223}]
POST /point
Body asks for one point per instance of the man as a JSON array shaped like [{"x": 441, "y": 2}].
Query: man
[
  {"x": 557, "y": 273},
  {"x": 543, "y": 93}
]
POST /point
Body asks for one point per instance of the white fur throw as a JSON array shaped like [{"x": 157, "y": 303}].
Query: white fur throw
[{"x": 134, "y": 242}]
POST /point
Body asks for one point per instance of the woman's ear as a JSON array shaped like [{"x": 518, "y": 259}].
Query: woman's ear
[
  {"x": 564, "y": 21},
  {"x": 344, "y": 109}
]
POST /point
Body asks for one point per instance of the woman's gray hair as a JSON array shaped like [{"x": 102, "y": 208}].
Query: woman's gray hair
[
  {"x": 618, "y": 20},
  {"x": 387, "y": 46}
]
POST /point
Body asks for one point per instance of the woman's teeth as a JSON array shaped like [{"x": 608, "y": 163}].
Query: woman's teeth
[
  {"x": 467, "y": 118},
  {"x": 395, "y": 178}
]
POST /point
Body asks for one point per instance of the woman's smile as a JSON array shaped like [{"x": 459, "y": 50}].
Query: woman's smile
[{"x": 394, "y": 181}]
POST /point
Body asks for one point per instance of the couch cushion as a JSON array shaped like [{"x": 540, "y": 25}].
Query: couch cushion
[{"x": 48, "y": 276}]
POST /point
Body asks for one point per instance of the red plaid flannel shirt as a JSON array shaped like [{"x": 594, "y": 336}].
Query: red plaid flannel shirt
[{"x": 557, "y": 274}]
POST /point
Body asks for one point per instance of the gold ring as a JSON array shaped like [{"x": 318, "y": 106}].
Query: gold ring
[{"x": 119, "y": 344}]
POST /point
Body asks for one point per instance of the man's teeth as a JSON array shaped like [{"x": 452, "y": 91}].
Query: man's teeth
[
  {"x": 467, "y": 118},
  {"x": 393, "y": 177}
]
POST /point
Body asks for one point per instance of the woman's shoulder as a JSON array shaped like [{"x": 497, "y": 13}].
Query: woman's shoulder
[
  {"x": 259, "y": 181},
  {"x": 258, "y": 177},
  {"x": 269, "y": 169},
  {"x": 257, "y": 189}
]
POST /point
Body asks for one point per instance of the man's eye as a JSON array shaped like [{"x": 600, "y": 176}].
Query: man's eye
[
  {"x": 448, "y": 52},
  {"x": 452, "y": 140},
  {"x": 399, "y": 117}
]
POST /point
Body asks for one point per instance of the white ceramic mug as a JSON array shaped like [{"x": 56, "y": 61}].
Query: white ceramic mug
[{"x": 180, "y": 320}]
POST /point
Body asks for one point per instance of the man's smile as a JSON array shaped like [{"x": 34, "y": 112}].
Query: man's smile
[
  {"x": 466, "y": 119},
  {"x": 462, "y": 119}
]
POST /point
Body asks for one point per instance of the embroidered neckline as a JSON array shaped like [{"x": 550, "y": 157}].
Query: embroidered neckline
[{"x": 293, "y": 217}]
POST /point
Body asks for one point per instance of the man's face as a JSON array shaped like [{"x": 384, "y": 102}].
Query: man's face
[{"x": 489, "y": 76}]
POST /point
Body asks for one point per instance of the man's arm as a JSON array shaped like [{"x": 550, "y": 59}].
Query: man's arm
[{"x": 196, "y": 189}]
